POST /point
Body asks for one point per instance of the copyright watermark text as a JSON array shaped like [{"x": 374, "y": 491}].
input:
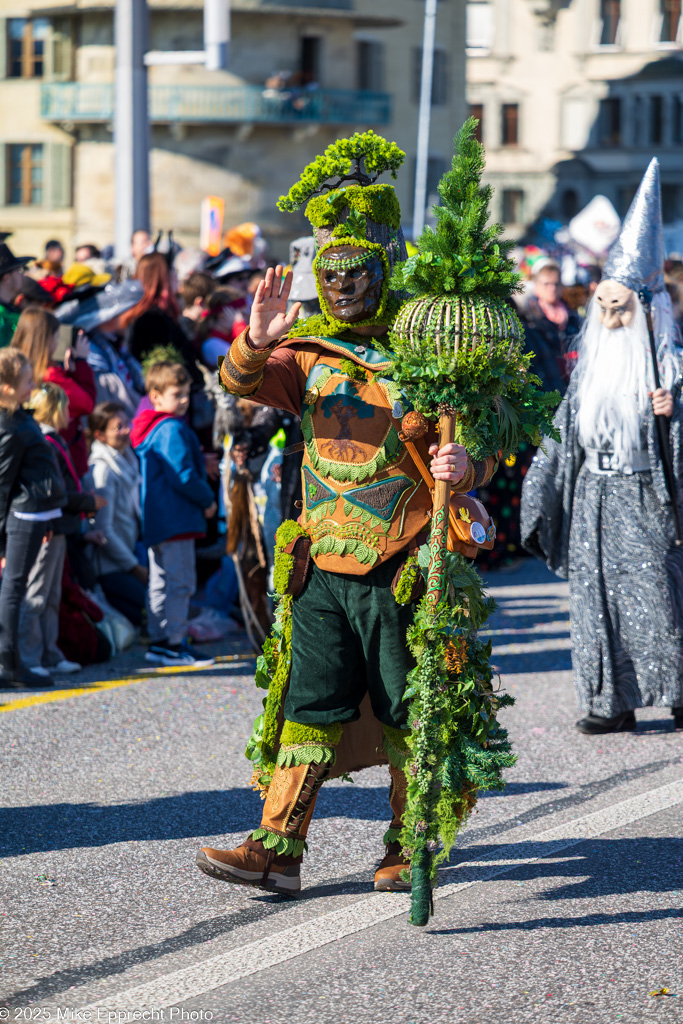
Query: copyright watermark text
[{"x": 103, "y": 1015}]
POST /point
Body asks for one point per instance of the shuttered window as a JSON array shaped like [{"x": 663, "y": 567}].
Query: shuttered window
[
  {"x": 510, "y": 124},
  {"x": 25, "y": 170},
  {"x": 370, "y": 65},
  {"x": 671, "y": 20},
  {"x": 37, "y": 174},
  {"x": 25, "y": 47}
]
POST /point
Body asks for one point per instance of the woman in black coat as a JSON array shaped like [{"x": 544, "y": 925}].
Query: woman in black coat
[{"x": 32, "y": 495}]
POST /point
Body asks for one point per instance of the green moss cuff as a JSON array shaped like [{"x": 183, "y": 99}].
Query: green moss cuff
[{"x": 294, "y": 734}]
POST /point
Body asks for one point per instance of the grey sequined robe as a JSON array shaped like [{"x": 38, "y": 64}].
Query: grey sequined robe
[{"x": 613, "y": 538}]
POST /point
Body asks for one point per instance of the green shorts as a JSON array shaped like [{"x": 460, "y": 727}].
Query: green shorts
[{"x": 349, "y": 639}]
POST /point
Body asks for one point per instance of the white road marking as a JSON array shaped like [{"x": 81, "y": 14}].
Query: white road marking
[
  {"x": 511, "y": 592},
  {"x": 560, "y": 643},
  {"x": 557, "y": 626},
  {"x": 282, "y": 946}
]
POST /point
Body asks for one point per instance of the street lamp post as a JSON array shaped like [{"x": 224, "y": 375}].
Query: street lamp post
[
  {"x": 131, "y": 126},
  {"x": 131, "y": 121},
  {"x": 422, "y": 159},
  {"x": 216, "y": 34}
]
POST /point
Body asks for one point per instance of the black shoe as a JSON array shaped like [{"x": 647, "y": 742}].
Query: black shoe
[
  {"x": 594, "y": 725},
  {"x": 175, "y": 656},
  {"x": 678, "y": 717},
  {"x": 23, "y": 679}
]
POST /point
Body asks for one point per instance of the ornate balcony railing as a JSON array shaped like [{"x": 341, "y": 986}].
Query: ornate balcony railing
[{"x": 219, "y": 104}]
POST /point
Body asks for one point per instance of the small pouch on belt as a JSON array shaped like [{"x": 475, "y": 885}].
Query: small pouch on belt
[
  {"x": 408, "y": 581},
  {"x": 470, "y": 527},
  {"x": 292, "y": 565}
]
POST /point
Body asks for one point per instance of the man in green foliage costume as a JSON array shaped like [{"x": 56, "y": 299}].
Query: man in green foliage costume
[{"x": 340, "y": 666}]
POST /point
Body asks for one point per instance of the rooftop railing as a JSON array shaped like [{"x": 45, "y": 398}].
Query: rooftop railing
[{"x": 218, "y": 104}]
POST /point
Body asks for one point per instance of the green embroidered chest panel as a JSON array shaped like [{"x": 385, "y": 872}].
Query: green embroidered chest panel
[{"x": 363, "y": 498}]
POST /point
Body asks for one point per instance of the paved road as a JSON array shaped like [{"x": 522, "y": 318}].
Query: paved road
[{"x": 562, "y": 904}]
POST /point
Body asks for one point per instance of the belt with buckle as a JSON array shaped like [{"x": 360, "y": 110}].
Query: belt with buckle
[{"x": 606, "y": 463}]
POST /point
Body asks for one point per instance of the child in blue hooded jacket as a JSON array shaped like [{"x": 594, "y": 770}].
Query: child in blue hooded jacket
[{"x": 176, "y": 501}]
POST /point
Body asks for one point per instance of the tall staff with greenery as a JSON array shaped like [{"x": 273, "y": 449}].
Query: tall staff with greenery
[{"x": 457, "y": 353}]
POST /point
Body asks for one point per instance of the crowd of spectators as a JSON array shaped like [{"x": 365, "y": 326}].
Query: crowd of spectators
[
  {"x": 119, "y": 454},
  {"x": 129, "y": 479}
]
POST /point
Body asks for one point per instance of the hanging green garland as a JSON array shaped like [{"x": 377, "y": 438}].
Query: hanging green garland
[{"x": 456, "y": 745}]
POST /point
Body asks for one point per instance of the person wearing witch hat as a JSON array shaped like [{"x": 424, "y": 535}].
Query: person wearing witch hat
[
  {"x": 336, "y": 666},
  {"x": 600, "y": 508},
  {"x": 95, "y": 311},
  {"x": 11, "y": 276}
]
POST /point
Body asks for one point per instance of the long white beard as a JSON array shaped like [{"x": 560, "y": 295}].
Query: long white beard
[{"x": 614, "y": 376}]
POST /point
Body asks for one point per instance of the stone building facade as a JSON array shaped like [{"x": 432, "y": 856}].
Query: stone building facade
[
  {"x": 575, "y": 97},
  {"x": 301, "y": 75}
]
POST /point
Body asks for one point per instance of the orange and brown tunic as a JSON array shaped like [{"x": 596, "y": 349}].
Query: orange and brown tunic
[{"x": 364, "y": 499}]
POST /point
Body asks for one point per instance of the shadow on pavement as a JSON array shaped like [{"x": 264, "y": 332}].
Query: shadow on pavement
[
  {"x": 608, "y": 867},
  {"x": 536, "y": 662},
  {"x": 185, "y": 815},
  {"x": 601, "y": 867},
  {"x": 503, "y": 617},
  {"x": 207, "y": 813},
  {"x": 586, "y": 921}
]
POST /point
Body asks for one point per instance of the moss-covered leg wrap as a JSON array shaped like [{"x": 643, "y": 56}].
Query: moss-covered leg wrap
[
  {"x": 396, "y": 748},
  {"x": 304, "y": 760},
  {"x": 397, "y": 802},
  {"x": 395, "y": 745}
]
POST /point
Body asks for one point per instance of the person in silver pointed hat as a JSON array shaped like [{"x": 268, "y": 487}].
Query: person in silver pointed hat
[{"x": 596, "y": 507}]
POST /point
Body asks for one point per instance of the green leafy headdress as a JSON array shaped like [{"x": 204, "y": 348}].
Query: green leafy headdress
[{"x": 352, "y": 210}]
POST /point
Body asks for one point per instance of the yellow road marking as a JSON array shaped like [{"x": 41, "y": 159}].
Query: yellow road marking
[
  {"x": 53, "y": 695},
  {"x": 110, "y": 684}
]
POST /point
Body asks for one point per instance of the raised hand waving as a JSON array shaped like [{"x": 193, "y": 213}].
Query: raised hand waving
[{"x": 269, "y": 318}]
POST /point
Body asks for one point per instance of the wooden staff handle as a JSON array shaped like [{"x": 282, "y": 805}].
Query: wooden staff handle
[{"x": 438, "y": 542}]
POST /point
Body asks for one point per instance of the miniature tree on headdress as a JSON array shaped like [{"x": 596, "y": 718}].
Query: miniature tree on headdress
[{"x": 344, "y": 159}]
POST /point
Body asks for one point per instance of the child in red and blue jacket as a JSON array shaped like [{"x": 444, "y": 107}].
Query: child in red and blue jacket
[{"x": 176, "y": 501}]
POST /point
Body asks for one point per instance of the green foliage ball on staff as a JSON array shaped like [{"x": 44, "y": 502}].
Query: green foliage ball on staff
[
  {"x": 457, "y": 347},
  {"x": 499, "y": 403}
]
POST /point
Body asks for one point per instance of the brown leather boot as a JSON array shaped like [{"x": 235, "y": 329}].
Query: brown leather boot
[
  {"x": 388, "y": 874},
  {"x": 270, "y": 859},
  {"x": 252, "y": 864}
]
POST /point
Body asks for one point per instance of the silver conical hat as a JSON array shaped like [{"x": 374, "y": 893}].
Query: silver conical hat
[{"x": 637, "y": 257}]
